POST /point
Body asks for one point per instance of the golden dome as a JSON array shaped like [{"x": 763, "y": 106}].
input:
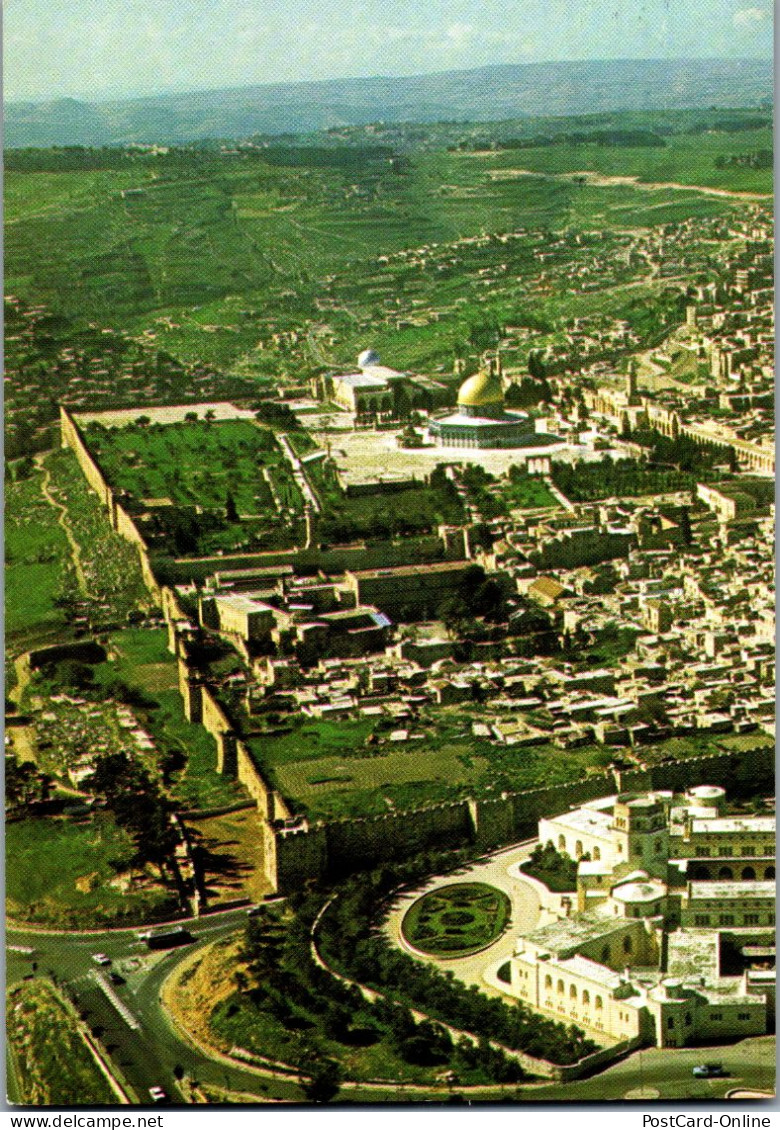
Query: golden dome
[{"x": 481, "y": 391}]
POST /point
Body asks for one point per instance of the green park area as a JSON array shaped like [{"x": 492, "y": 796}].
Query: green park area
[
  {"x": 457, "y": 920},
  {"x": 211, "y": 485},
  {"x": 343, "y": 767},
  {"x": 78, "y": 871},
  {"x": 194, "y": 462},
  {"x": 37, "y": 573},
  {"x": 52, "y": 1062}
]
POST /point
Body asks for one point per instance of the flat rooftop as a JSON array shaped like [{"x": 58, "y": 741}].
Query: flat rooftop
[
  {"x": 725, "y": 889},
  {"x": 571, "y": 933},
  {"x": 423, "y": 569},
  {"x": 585, "y": 820},
  {"x": 729, "y": 825}
]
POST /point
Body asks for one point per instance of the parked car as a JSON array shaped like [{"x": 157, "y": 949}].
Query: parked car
[
  {"x": 709, "y": 1071},
  {"x": 101, "y": 959},
  {"x": 157, "y": 1095}
]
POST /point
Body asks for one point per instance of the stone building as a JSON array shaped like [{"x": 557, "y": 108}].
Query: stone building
[
  {"x": 481, "y": 420},
  {"x": 643, "y": 957}
]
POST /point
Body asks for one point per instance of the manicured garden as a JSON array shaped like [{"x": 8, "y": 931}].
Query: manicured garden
[{"x": 457, "y": 920}]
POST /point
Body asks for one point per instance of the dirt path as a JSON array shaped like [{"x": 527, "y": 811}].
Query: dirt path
[
  {"x": 62, "y": 519},
  {"x": 602, "y": 180}
]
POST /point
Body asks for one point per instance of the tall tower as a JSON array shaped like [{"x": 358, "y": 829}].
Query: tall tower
[
  {"x": 632, "y": 393},
  {"x": 640, "y": 833}
]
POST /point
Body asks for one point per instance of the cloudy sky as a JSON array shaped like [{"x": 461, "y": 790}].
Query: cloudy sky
[{"x": 120, "y": 48}]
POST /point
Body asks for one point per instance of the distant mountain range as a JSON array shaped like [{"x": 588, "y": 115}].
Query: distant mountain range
[{"x": 485, "y": 94}]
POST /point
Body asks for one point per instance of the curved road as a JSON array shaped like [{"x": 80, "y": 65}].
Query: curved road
[{"x": 135, "y": 1030}]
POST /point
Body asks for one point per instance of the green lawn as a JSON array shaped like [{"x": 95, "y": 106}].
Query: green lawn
[
  {"x": 457, "y": 919},
  {"x": 36, "y": 563},
  {"x": 527, "y": 493},
  {"x": 142, "y": 661},
  {"x": 65, "y": 873}
]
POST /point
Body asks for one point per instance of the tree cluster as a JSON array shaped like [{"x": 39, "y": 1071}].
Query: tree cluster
[
  {"x": 318, "y": 1011},
  {"x": 348, "y": 939},
  {"x": 137, "y": 805},
  {"x": 554, "y": 868},
  {"x": 25, "y": 786}
]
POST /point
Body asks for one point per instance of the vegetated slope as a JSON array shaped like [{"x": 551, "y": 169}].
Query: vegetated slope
[
  {"x": 213, "y": 240},
  {"x": 486, "y": 93}
]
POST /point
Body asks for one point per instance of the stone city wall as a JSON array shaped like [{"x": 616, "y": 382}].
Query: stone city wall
[
  {"x": 337, "y": 559},
  {"x": 71, "y": 437},
  {"x": 348, "y": 844},
  {"x": 120, "y": 520}
]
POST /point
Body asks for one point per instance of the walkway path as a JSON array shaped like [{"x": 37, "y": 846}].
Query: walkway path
[
  {"x": 565, "y": 502},
  {"x": 603, "y": 180},
  {"x": 298, "y": 473},
  {"x": 63, "y": 521}
]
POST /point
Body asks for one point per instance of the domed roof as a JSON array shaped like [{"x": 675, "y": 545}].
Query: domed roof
[{"x": 481, "y": 390}]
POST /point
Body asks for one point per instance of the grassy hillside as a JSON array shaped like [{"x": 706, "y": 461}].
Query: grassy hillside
[{"x": 211, "y": 253}]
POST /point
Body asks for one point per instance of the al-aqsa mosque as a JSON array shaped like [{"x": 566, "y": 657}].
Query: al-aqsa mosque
[{"x": 481, "y": 421}]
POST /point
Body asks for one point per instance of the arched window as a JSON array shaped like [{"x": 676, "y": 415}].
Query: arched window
[
  {"x": 627, "y": 944},
  {"x": 585, "y": 996},
  {"x": 688, "y": 1018},
  {"x": 769, "y": 872},
  {"x": 578, "y": 849},
  {"x": 561, "y": 843},
  {"x": 573, "y": 992},
  {"x": 597, "y": 853},
  {"x": 599, "y": 1002},
  {"x": 670, "y": 1022},
  {"x": 700, "y": 872},
  {"x": 548, "y": 982},
  {"x": 748, "y": 873},
  {"x": 725, "y": 873},
  {"x": 560, "y": 987}
]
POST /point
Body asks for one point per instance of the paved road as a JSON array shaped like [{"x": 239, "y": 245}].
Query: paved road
[
  {"x": 750, "y": 1064},
  {"x": 149, "y": 1054},
  {"x": 526, "y": 913}
]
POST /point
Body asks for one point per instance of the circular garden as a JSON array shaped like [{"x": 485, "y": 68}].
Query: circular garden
[{"x": 456, "y": 920}]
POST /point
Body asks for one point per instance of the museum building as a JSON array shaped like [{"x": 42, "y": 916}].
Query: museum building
[{"x": 649, "y": 952}]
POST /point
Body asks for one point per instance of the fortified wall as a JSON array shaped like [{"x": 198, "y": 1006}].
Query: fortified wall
[
  {"x": 294, "y": 849},
  {"x": 120, "y": 520},
  {"x": 447, "y": 545}
]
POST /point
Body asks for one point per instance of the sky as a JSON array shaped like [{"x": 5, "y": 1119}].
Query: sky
[{"x": 105, "y": 49}]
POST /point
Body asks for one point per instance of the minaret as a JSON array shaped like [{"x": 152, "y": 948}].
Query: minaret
[{"x": 631, "y": 387}]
